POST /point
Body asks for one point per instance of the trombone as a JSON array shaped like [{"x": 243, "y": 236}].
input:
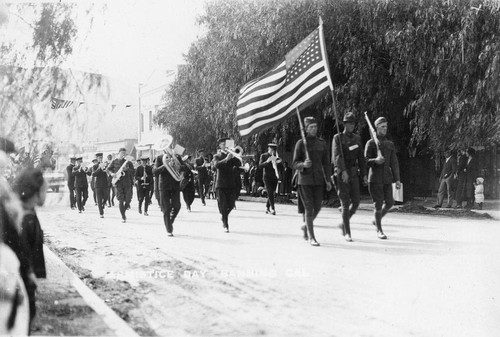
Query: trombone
[{"x": 237, "y": 152}]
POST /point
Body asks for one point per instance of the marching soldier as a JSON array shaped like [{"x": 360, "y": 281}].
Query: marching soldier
[
  {"x": 202, "y": 167},
  {"x": 349, "y": 164},
  {"x": 271, "y": 165},
  {"x": 144, "y": 180},
  {"x": 313, "y": 170},
  {"x": 100, "y": 177},
  {"x": 71, "y": 182},
  {"x": 384, "y": 169},
  {"x": 81, "y": 183},
  {"x": 227, "y": 167},
  {"x": 125, "y": 181}
]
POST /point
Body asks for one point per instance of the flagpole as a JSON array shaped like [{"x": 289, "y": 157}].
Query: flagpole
[
  {"x": 302, "y": 133},
  {"x": 334, "y": 106}
]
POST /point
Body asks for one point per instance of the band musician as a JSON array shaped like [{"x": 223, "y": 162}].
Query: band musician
[
  {"x": 167, "y": 170},
  {"x": 144, "y": 183},
  {"x": 125, "y": 181},
  {"x": 80, "y": 174},
  {"x": 71, "y": 182},
  {"x": 227, "y": 167},
  {"x": 272, "y": 166},
  {"x": 100, "y": 183},
  {"x": 202, "y": 166}
]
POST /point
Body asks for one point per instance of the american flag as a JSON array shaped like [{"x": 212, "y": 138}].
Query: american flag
[
  {"x": 57, "y": 103},
  {"x": 296, "y": 82}
]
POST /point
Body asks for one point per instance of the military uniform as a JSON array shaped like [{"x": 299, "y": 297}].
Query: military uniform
[
  {"x": 311, "y": 181},
  {"x": 381, "y": 176},
  {"x": 348, "y": 158},
  {"x": 170, "y": 194}
]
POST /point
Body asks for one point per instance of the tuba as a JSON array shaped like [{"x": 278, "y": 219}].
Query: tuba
[{"x": 170, "y": 161}]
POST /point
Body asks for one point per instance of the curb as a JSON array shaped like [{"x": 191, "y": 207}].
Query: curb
[{"x": 110, "y": 318}]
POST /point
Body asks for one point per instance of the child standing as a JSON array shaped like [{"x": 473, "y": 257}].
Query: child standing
[
  {"x": 479, "y": 192},
  {"x": 32, "y": 190}
]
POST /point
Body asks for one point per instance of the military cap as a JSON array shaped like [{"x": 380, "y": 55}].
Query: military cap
[
  {"x": 380, "y": 120},
  {"x": 79, "y": 158},
  {"x": 98, "y": 154},
  {"x": 145, "y": 158},
  {"x": 309, "y": 120},
  {"x": 349, "y": 118},
  {"x": 122, "y": 149},
  {"x": 272, "y": 145},
  {"x": 94, "y": 161},
  {"x": 72, "y": 158}
]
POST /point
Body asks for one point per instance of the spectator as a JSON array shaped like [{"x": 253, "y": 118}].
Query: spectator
[
  {"x": 479, "y": 192},
  {"x": 460, "y": 178},
  {"x": 32, "y": 190},
  {"x": 14, "y": 307},
  {"x": 287, "y": 179},
  {"x": 446, "y": 179}
]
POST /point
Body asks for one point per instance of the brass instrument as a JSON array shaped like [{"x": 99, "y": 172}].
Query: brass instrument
[
  {"x": 104, "y": 165},
  {"x": 120, "y": 173},
  {"x": 169, "y": 159},
  {"x": 237, "y": 152}
]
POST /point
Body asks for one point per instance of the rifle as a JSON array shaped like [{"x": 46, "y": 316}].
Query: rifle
[{"x": 373, "y": 134}]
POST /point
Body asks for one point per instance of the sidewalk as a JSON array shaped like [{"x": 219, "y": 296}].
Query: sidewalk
[
  {"x": 65, "y": 306},
  {"x": 490, "y": 207}
]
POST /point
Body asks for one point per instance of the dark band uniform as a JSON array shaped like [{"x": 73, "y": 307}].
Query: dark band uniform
[
  {"x": 226, "y": 185},
  {"x": 270, "y": 178},
  {"x": 124, "y": 184},
  {"x": 170, "y": 195},
  {"x": 71, "y": 184},
  {"x": 81, "y": 185},
  {"x": 101, "y": 185},
  {"x": 144, "y": 186},
  {"x": 203, "y": 177}
]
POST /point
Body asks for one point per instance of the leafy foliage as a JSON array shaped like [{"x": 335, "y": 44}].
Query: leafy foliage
[
  {"x": 432, "y": 67},
  {"x": 30, "y": 72}
]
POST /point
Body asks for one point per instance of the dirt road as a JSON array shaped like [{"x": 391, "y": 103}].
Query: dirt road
[{"x": 435, "y": 276}]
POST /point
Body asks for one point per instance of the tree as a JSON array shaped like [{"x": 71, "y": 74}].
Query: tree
[
  {"x": 29, "y": 70},
  {"x": 432, "y": 67}
]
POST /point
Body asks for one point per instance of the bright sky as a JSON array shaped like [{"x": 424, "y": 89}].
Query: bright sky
[{"x": 129, "y": 39}]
